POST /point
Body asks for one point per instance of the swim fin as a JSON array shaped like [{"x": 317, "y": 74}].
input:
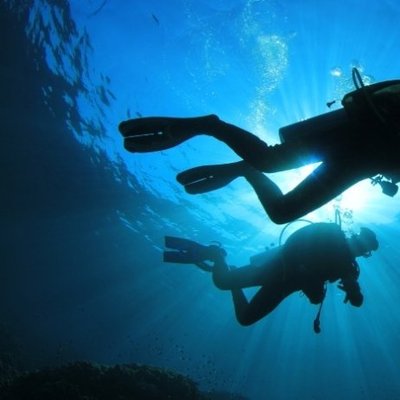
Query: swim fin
[
  {"x": 142, "y": 135},
  {"x": 210, "y": 177},
  {"x": 187, "y": 251}
]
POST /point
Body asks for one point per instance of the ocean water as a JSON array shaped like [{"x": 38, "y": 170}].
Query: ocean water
[{"x": 83, "y": 221}]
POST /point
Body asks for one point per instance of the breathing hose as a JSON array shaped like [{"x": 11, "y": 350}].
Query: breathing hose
[{"x": 359, "y": 85}]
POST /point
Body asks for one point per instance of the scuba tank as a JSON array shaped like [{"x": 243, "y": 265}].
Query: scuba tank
[
  {"x": 377, "y": 104},
  {"x": 374, "y": 108},
  {"x": 333, "y": 122},
  {"x": 264, "y": 257}
]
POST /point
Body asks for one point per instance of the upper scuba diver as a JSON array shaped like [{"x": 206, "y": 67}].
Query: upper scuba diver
[
  {"x": 359, "y": 141},
  {"x": 311, "y": 257}
]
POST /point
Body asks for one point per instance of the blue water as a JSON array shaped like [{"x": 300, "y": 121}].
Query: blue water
[{"x": 83, "y": 220}]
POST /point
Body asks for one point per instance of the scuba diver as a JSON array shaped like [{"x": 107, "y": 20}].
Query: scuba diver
[
  {"x": 311, "y": 257},
  {"x": 359, "y": 141}
]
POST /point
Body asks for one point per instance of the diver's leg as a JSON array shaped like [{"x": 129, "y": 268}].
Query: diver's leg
[
  {"x": 270, "y": 276},
  {"x": 229, "y": 278},
  {"x": 263, "y": 302},
  {"x": 325, "y": 183},
  {"x": 207, "y": 178},
  {"x": 260, "y": 155},
  {"x": 160, "y": 133}
]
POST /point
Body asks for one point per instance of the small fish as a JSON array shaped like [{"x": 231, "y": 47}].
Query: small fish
[
  {"x": 330, "y": 103},
  {"x": 98, "y": 9},
  {"x": 157, "y": 21},
  {"x": 139, "y": 114}
]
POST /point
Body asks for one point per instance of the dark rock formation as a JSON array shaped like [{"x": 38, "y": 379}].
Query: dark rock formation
[{"x": 87, "y": 381}]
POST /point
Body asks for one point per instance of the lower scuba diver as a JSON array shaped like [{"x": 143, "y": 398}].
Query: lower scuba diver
[
  {"x": 310, "y": 258},
  {"x": 359, "y": 141}
]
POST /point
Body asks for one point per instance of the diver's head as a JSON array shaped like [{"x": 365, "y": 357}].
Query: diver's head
[{"x": 364, "y": 243}]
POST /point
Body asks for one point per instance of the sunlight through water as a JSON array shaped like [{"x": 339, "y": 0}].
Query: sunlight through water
[{"x": 85, "y": 250}]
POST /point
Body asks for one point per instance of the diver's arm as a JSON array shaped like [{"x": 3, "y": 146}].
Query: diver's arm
[{"x": 351, "y": 287}]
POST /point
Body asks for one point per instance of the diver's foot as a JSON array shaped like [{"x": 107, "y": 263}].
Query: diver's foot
[
  {"x": 211, "y": 177},
  {"x": 142, "y": 135},
  {"x": 213, "y": 252},
  {"x": 211, "y": 255}
]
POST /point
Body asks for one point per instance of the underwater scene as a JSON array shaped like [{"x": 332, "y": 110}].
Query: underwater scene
[{"x": 85, "y": 296}]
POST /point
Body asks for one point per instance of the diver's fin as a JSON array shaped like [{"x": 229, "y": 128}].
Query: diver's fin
[
  {"x": 187, "y": 251},
  {"x": 142, "y": 135},
  {"x": 177, "y": 243},
  {"x": 178, "y": 257},
  {"x": 209, "y": 177}
]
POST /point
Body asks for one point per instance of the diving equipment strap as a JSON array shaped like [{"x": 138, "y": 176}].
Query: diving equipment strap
[
  {"x": 317, "y": 322},
  {"x": 361, "y": 103}
]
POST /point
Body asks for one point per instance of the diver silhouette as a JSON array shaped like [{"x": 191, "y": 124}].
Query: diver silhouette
[
  {"x": 310, "y": 257},
  {"x": 359, "y": 141}
]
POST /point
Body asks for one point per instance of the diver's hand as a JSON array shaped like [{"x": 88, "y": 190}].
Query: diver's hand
[
  {"x": 353, "y": 293},
  {"x": 342, "y": 288}
]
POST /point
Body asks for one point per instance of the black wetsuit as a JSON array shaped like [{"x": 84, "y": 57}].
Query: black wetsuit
[
  {"x": 318, "y": 253},
  {"x": 349, "y": 152},
  {"x": 312, "y": 256}
]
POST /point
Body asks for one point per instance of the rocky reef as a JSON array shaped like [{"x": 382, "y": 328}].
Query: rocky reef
[{"x": 88, "y": 381}]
